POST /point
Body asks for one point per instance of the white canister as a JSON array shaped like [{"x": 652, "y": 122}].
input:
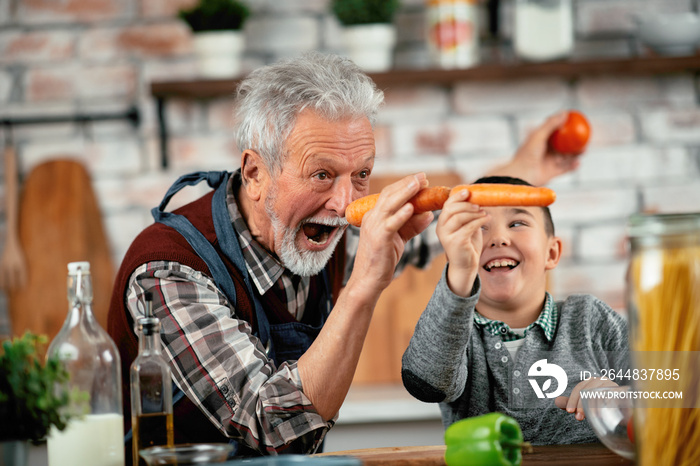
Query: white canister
[
  {"x": 544, "y": 29},
  {"x": 453, "y": 33}
]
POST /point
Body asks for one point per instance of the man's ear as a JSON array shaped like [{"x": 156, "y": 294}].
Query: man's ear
[
  {"x": 554, "y": 249},
  {"x": 253, "y": 174}
]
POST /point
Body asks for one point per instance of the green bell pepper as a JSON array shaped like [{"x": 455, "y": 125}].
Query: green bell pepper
[{"x": 492, "y": 439}]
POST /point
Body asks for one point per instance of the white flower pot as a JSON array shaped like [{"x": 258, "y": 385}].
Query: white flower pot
[
  {"x": 370, "y": 46},
  {"x": 219, "y": 53},
  {"x": 14, "y": 452}
]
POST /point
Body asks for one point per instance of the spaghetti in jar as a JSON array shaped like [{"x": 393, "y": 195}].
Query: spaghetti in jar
[{"x": 663, "y": 303}]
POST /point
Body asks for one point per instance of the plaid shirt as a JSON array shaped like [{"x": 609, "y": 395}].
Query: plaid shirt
[
  {"x": 547, "y": 320},
  {"x": 242, "y": 392}
]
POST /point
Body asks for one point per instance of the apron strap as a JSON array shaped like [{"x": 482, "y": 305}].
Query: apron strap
[
  {"x": 227, "y": 239},
  {"x": 232, "y": 250},
  {"x": 214, "y": 179}
]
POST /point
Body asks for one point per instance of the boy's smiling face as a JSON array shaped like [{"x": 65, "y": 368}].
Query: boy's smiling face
[{"x": 517, "y": 252}]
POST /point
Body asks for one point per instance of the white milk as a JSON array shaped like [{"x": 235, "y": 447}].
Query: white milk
[
  {"x": 95, "y": 440},
  {"x": 544, "y": 29}
]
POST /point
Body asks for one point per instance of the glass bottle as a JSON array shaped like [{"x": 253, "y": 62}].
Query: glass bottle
[
  {"x": 151, "y": 388},
  {"x": 663, "y": 300},
  {"x": 92, "y": 361},
  {"x": 544, "y": 29}
]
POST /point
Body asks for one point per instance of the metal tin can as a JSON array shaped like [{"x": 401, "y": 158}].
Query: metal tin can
[{"x": 453, "y": 33}]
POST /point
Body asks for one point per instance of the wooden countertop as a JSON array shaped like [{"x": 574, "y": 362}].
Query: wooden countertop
[{"x": 569, "y": 455}]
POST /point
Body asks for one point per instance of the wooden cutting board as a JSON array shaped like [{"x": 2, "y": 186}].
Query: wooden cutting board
[
  {"x": 398, "y": 456},
  {"x": 59, "y": 222},
  {"x": 583, "y": 454}
]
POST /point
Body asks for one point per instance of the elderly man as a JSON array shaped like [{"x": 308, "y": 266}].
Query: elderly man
[{"x": 264, "y": 305}]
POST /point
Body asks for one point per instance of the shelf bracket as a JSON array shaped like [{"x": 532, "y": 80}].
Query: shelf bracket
[{"x": 162, "y": 132}]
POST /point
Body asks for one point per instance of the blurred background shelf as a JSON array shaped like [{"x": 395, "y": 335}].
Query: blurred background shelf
[
  {"x": 212, "y": 88},
  {"x": 202, "y": 89}
]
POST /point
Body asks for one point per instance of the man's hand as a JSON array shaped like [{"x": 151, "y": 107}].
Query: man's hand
[
  {"x": 328, "y": 366},
  {"x": 385, "y": 230},
  {"x": 459, "y": 230},
  {"x": 535, "y": 161},
  {"x": 572, "y": 404}
]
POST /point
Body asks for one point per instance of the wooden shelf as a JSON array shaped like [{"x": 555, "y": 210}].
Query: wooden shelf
[
  {"x": 215, "y": 88},
  {"x": 201, "y": 89}
]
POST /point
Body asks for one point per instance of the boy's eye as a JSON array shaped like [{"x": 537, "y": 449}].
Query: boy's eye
[{"x": 518, "y": 223}]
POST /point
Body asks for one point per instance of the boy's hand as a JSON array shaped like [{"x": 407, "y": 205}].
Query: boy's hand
[
  {"x": 572, "y": 404},
  {"x": 534, "y": 161},
  {"x": 459, "y": 230}
]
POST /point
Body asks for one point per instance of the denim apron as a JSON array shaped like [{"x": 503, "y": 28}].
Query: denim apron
[{"x": 284, "y": 341}]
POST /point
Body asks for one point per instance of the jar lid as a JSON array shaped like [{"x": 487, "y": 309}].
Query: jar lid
[
  {"x": 73, "y": 267},
  {"x": 663, "y": 224}
]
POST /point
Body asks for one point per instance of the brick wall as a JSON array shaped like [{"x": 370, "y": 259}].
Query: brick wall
[{"x": 80, "y": 56}]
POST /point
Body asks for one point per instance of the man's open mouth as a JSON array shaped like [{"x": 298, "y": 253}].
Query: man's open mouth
[
  {"x": 318, "y": 233},
  {"x": 501, "y": 263}
]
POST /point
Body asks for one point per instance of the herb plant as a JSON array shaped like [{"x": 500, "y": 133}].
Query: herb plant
[
  {"x": 32, "y": 394},
  {"x": 354, "y": 12},
  {"x": 216, "y": 15}
]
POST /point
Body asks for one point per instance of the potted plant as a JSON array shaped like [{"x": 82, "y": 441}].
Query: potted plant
[
  {"x": 369, "y": 34},
  {"x": 217, "y": 35},
  {"x": 31, "y": 400}
]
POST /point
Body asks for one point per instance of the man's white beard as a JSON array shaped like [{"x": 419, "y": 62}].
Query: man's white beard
[{"x": 303, "y": 263}]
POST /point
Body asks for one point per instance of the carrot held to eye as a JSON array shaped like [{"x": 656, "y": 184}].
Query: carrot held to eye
[
  {"x": 495, "y": 194},
  {"x": 486, "y": 194},
  {"x": 426, "y": 200}
]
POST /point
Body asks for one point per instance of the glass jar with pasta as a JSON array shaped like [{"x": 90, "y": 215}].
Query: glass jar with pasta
[{"x": 663, "y": 303}]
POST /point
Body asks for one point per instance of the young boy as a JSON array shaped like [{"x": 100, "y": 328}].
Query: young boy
[{"x": 492, "y": 338}]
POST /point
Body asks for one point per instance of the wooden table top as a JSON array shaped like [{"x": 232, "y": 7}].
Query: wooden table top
[{"x": 569, "y": 455}]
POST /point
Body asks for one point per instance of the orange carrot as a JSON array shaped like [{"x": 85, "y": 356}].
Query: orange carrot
[
  {"x": 359, "y": 207},
  {"x": 483, "y": 194},
  {"x": 494, "y": 194},
  {"x": 426, "y": 200}
]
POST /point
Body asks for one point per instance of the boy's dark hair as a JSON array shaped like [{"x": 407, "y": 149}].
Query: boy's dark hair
[{"x": 548, "y": 222}]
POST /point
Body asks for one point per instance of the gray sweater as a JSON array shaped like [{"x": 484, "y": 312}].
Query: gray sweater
[{"x": 457, "y": 363}]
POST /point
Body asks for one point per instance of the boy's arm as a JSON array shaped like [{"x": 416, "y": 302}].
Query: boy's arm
[
  {"x": 434, "y": 366},
  {"x": 610, "y": 334}
]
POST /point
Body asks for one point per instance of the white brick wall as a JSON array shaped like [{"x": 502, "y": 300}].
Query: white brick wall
[
  {"x": 511, "y": 96},
  {"x": 616, "y": 16},
  {"x": 283, "y": 35},
  {"x": 607, "y": 279},
  {"x": 669, "y": 126},
  {"x": 602, "y": 242},
  {"x": 5, "y": 86},
  {"x": 593, "y": 204},
  {"x": 674, "y": 197},
  {"x": 415, "y": 103},
  {"x": 631, "y": 92},
  {"x": 33, "y": 47}
]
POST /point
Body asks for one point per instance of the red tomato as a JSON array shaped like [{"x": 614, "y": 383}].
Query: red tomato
[{"x": 572, "y": 136}]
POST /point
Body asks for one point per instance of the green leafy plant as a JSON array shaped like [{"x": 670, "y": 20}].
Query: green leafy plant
[
  {"x": 354, "y": 12},
  {"x": 32, "y": 394},
  {"x": 216, "y": 15}
]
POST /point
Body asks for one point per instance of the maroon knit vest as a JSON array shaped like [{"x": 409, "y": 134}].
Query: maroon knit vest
[{"x": 160, "y": 242}]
